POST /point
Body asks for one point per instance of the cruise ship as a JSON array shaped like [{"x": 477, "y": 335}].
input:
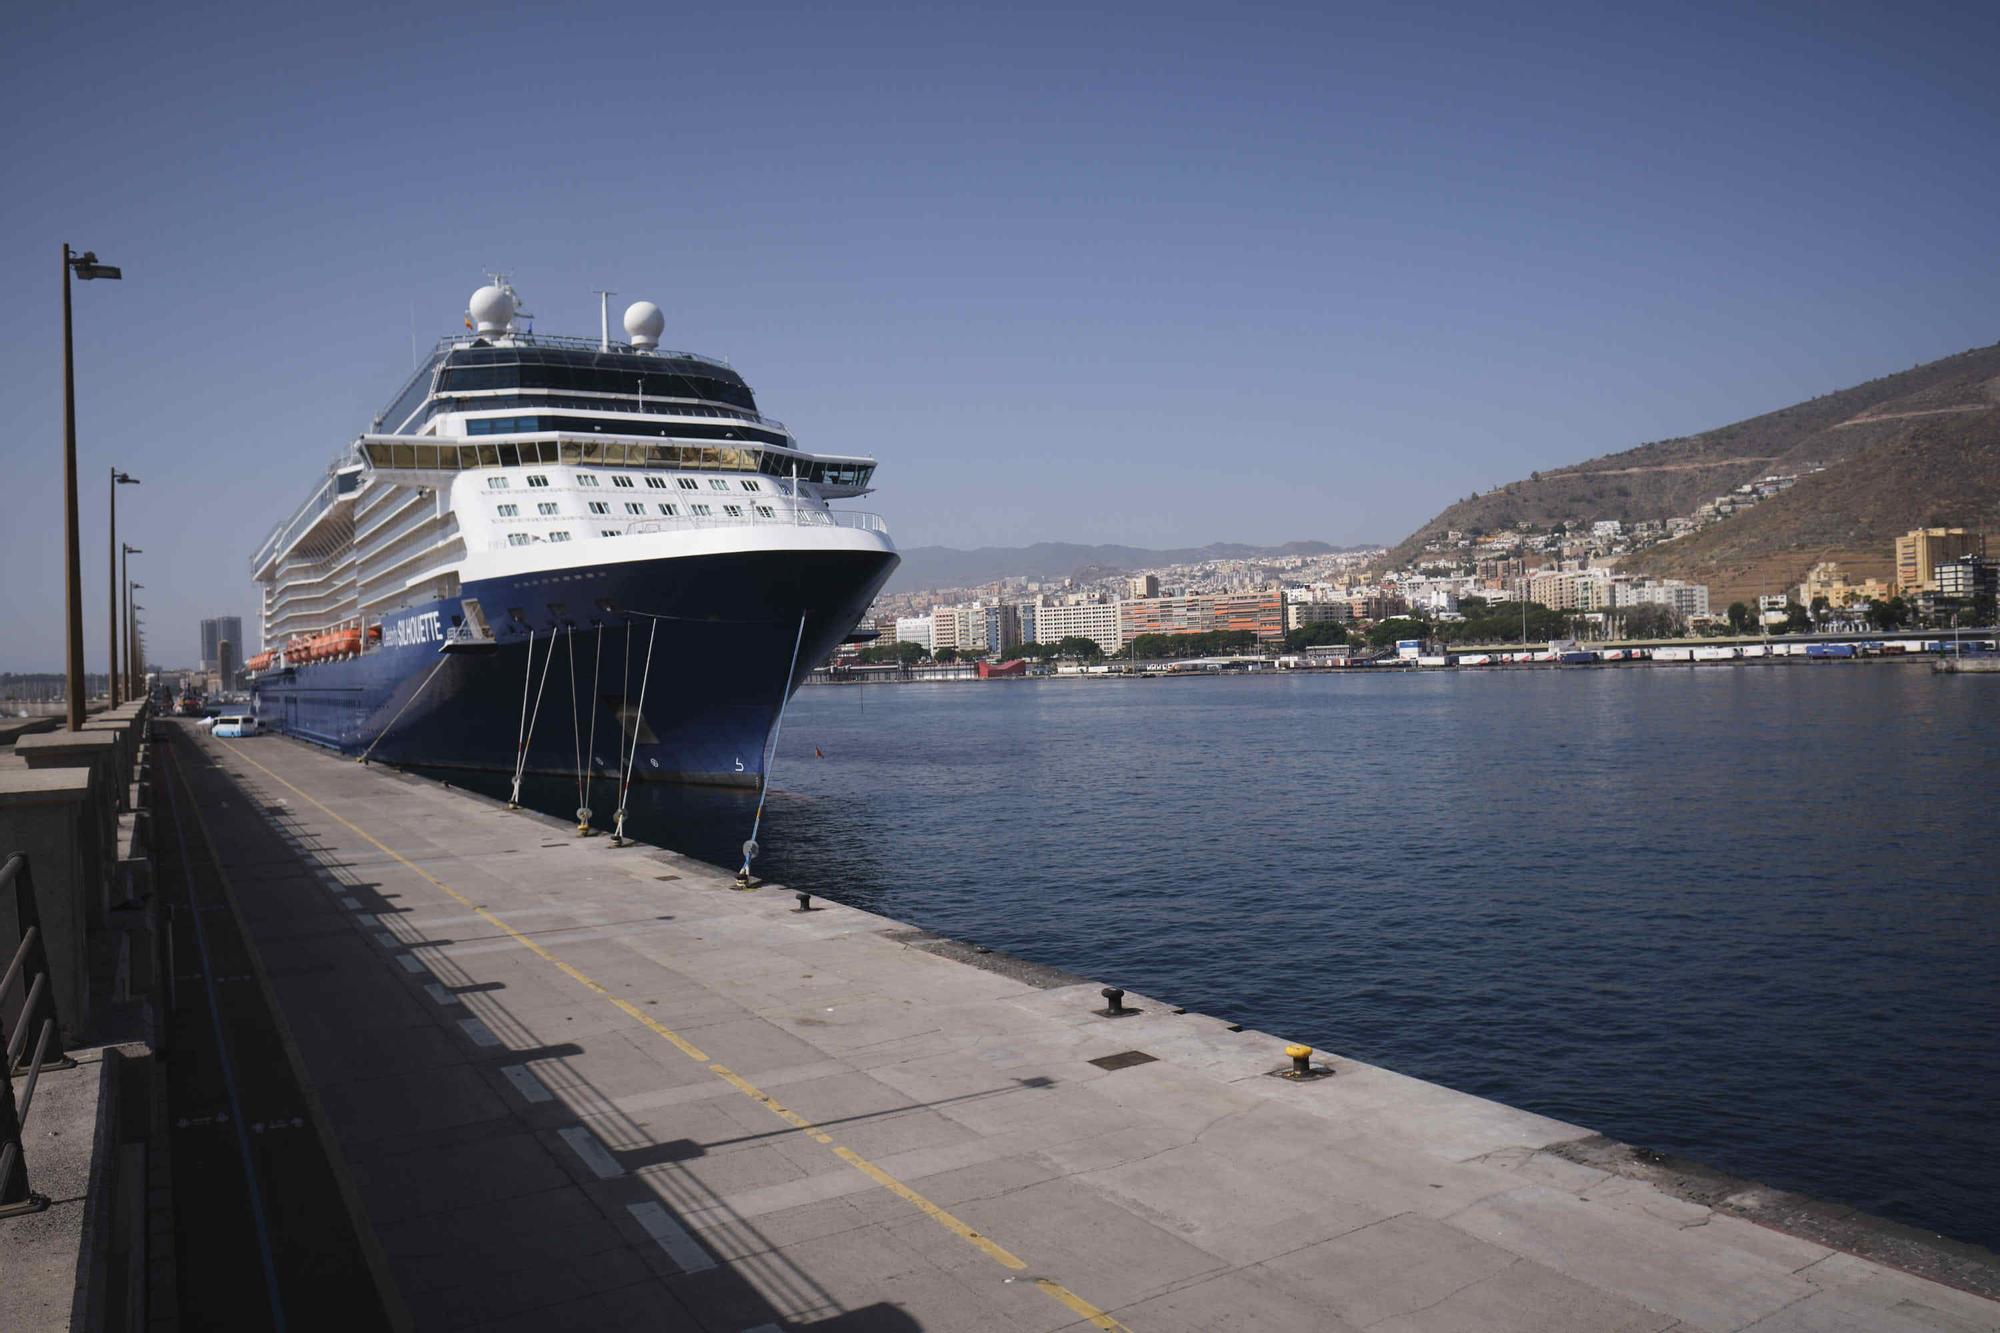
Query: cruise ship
[{"x": 563, "y": 555}]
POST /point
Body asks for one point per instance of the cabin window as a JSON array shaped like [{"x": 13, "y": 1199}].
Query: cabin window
[
  {"x": 496, "y": 483},
  {"x": 753, "y": 486},
  {"x": 509, "y": 511},
  {"x": 623, "y": 483},
  {"x": 688, "y": 483},
  {"x": 559, "y": 536},
  {"x": 734, "y": 511},
  {"x": 607, "y": 532},
  {"x": 657, "y": 483},
  {"x": 702, "y": 510},
  {"x": 599, "y": 507},
  {"x": 585, "y": 479},
  {"x": 669, "y": 510},
  {"x": 765, "y": 511},
  {"x": 634, "y": 507},
  {"x": 546, "y": 507},
  {"x": 518, "y": 539},
  {"x": 536, "y": 481},
  {"x": 717, "y": 484}
]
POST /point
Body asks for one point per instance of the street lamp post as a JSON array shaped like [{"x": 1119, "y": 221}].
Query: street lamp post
[
  {"x": 111, "y": 578},
  {"x": 86, "y": 268},
  {"x": 131, "y": 626},
  {"x": 138, "y": 648}
]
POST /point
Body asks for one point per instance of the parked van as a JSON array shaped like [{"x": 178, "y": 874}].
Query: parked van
[{"x": 236, "y": 724}]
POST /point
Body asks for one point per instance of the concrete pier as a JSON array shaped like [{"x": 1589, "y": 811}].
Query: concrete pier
[{"x": 570, "y": 1086}]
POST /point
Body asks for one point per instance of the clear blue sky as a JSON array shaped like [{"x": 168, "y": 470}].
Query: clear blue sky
[{"x": 1178, "y": 276}]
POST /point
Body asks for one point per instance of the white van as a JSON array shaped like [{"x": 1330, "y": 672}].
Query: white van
[{"x": 236, "y": 724}]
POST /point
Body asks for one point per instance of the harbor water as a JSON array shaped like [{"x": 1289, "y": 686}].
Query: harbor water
[{"x": 1744, "y": 914}]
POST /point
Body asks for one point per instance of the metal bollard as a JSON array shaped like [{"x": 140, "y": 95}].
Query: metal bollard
[
  {"x": 1114, "y": 1002},
  {"x": 1301, "y": 1060},
  {"x": 805, "y": 903}
]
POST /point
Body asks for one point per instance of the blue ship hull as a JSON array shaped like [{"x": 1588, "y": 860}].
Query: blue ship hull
[{"x": 690, "y": 653}]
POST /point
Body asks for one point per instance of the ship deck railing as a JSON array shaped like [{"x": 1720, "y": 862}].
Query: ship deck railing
[{"x": 790, "y": 518}]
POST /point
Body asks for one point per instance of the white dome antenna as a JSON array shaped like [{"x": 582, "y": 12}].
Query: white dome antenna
[
  {"x": 491, "y": 310},
  {"x": 644, "y": 324}
]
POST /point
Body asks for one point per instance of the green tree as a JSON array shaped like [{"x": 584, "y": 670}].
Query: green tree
[
  {"x": 946, "y": 655},
  {"x": 1653, "y": 621},
  {"x": 1318, "y": 634},
  {"x": 1741, "y": 617},
  {"x": 1820, "y": 607},
  {"x": 1208, "y": 644},
  {"x": 1389, "y": 631},
  {"x": 1798, "y": 620},
  {"x": 908, "y": 654},
  {"x": 1078, "y": 648},
  {"x": 1892, "y": 614}
]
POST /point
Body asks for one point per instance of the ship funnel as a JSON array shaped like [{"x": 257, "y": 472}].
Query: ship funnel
[
  {"x": 491, "y": 311},
  {"x": 644, "y": 324}
]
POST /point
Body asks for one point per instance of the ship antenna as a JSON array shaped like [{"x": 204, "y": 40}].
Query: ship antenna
[{"x": 604, "y": 320}]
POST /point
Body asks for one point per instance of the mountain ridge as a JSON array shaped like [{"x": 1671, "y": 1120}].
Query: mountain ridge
[{"x": 1918, "y": 447}]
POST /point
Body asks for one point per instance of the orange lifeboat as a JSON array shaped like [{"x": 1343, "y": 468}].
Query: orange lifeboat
[{"x": 260, "y": 661}]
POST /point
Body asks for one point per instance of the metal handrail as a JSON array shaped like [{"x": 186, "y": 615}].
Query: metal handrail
[{"x": 30, "y": 959}]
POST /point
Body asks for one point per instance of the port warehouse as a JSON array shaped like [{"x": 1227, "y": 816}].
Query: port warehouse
[{"x": 1409, "y": 656}]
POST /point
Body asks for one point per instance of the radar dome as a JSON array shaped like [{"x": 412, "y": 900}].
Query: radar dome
[
  {"x": 492, "y": 310},
  {"x": 644, "y": 323}
]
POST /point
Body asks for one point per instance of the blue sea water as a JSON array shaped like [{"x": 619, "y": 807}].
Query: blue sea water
[{"x": 1745, "y": 914}]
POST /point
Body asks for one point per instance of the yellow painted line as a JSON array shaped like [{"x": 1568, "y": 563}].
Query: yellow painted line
[
  {"x": 985, "y": 1244},
  {"x": 1091, "y": 1314}
]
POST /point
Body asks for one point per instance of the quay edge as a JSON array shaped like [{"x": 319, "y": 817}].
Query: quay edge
[{"x": 816, "y": 1117}]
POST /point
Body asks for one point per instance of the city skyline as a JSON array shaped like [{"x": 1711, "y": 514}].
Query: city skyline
[{"x": 1280, "y": 276}]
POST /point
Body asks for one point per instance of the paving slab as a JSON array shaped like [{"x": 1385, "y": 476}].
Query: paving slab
[{"x": 654, "y": 1101}]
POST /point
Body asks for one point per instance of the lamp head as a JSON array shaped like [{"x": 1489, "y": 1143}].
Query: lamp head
[
  {"x": 87, "y": 268},
  {"x": 124, "y": 479},
  {"x": 131, "y": 549}
]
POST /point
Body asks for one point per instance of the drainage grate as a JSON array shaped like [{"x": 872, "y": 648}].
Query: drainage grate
[{"x": 1124, "y": 1060}]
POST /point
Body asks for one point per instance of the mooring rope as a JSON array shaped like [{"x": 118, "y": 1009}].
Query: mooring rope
[
  {"x": 400, "y": 711},
  {"x": 576, "y": 729},
  {"x": 528, "y": 734},
  {"x": 521, "y": 733},
  {"x": 585, "y": 774},
  {"x": 771, "y": 754},
  {"x": 638, "y": 719}
]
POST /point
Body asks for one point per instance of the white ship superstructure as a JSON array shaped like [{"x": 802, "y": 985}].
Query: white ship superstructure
[{"x": 513, "y": 468}]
